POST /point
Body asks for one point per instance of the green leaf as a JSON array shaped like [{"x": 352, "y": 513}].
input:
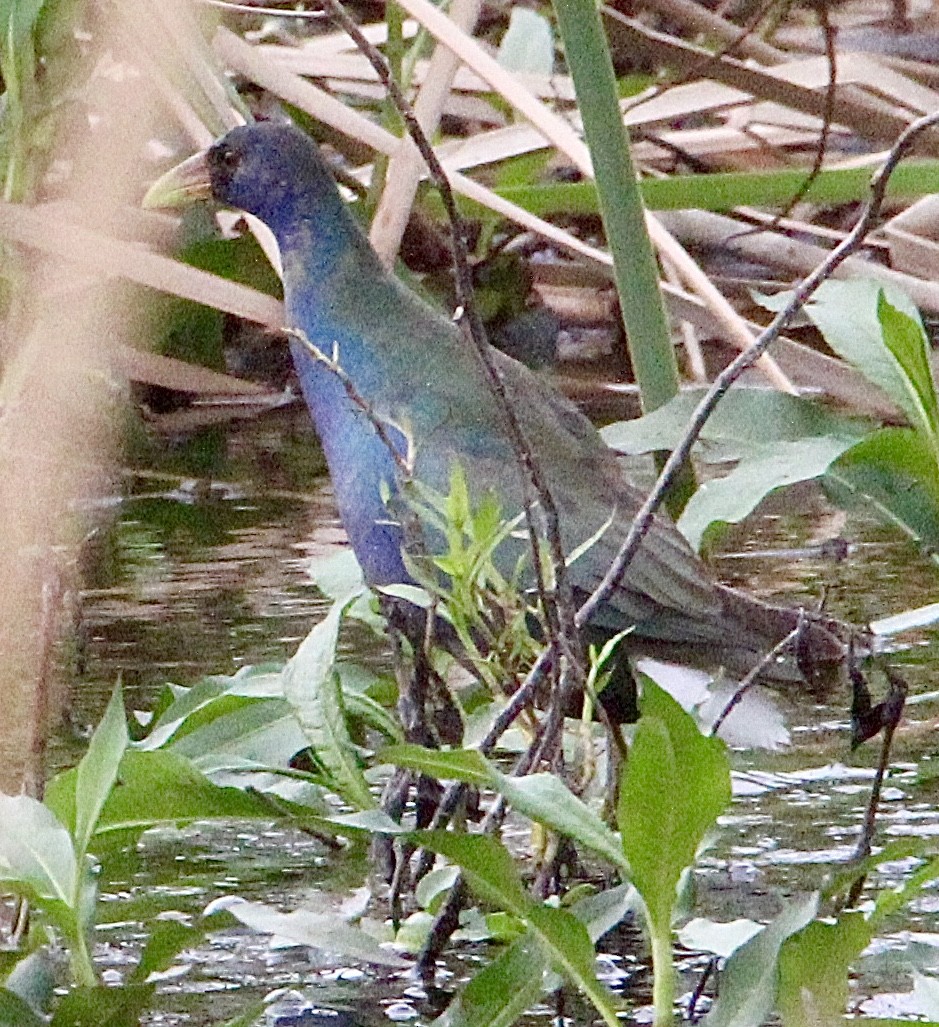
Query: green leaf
[
  {"x": 732, "y": 498},
  {"x": 325, "y": 931},
  {"x": 15, "y": 1012},
  {"x": 848, "y": 314},
  {"x": 262, "y": 732},
  {"x": 104, "y": 1007},
  {"x": 36, "y": 853},
  {"x": 465, "y": 765},
  {"x": 542, "y": 797},
  {"x": 163, "y": 787},
  {"x": 499, "y": 994},
  {"x": 97, "y": 771},
  {"x": 675, "y": 784},
  {"x": 723, "y": 938},
  {"x": 907, "y": 341},
  {"x": 413, "y": 594},
  {"x": 814, "y": 969},
  {"x": 894, "y": 473},
  {"x": 167, "y": 939},
  {"x": 312, "y": 687},
  {"x": 572, "y": 952},
  {"x": 748, "y": 982},
  {"x": 492, "y": 874},
  {"x": 546, "y": 799},
  {"x": 742, "y": 418},
  {"x": 602, "y": 911},
  {"x": 489, "y": 867}
]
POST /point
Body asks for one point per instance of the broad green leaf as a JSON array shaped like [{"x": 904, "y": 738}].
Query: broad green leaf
[
  {"x": 264, "y": 732},
  {"x": 465, "y": 765},
  {"x": 573, "y": 954},
  {"x": 814, "y": 969},
  {"x": 602, "y": 911},
  {"x": 104, "y": 1007},
  {"x": 489, "y": 867},
  {"x": 675, "y": 784},
  {"x": 167, "y": 939},
  {"x": 325, "y": 931},
  {"x": 732, "y": 498},
  {"x": 363, "y": 707},
  {"x": 432, "y": 886},
  {"x": 192, "y": 708},
  {"x": 499, "y": 994},
  {"x": 339, "y": 577},
  {"x": 542, "y": 797},
  {"x": 374, "y": 821},
  {"x": 36, "y": 853},
  {"x": 413, "y": 594},
  {"x": 16, "y": 1012},
  {"x": 847, "y": 313},
  {"x": 748, "y": 981},
  {"x": 720, "y": 937},
  {"x": 312, "y": 687},
  {"x": 894, "y": 473},
  {"x": 97, "y": 771},
  {"x": 546, "y": 799},
  {"x": 163, "y": 787},
  {"x": 740, "y": 421},
  {"x": 492, "y": 874},
  {"x": 906, "y": 338}
]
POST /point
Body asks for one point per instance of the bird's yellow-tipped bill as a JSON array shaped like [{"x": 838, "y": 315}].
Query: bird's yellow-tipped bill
[{"x": 182, "y": 185}]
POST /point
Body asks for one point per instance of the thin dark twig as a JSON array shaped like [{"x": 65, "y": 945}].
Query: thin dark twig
[
  {"x": 560, "y": 625},
  {"x": 331, "y": 363},
  {"x": 449, "y": 912},
  {"x": 892, "y": 712},
  {"x": 828, "y": 116},
  {"x": 721, "y": 384},
  {"x": 709, "y": 971},
  {"x": 521, "y": 699},
  {"x": 753, "y": 676}
]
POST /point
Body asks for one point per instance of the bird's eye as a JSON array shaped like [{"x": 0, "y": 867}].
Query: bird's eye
[{"x": 228, "y": 159}]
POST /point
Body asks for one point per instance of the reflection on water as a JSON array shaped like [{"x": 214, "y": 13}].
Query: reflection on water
[
  {"x": 196, "y": 575},
  {"x": 203, "y": 570}
]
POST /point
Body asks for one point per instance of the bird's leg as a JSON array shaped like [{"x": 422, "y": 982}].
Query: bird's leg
[{"x": 886, "y": 714}]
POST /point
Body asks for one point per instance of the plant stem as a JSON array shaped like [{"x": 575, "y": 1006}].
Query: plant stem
[
  {"x": 83, "y": 970},
  {"x": 621, "y": 207},
  {"x": 663, "y": 977}
]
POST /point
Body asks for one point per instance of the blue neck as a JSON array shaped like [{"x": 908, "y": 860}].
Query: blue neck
[{"x": 317, "y": 297}]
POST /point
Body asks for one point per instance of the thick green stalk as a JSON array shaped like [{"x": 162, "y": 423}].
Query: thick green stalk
[
  {"x": 663, "y": 978},
  {"x": 635, "y": 268},
  {"x": 621, "y": 207}
]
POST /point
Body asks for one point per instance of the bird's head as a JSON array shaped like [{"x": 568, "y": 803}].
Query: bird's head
[{"x": 272, "y": 171}]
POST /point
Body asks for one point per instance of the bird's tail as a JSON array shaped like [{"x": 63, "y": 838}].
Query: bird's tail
[
  {"x": 818, "y": 650},
  {"x": 741, "y": 633}
]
